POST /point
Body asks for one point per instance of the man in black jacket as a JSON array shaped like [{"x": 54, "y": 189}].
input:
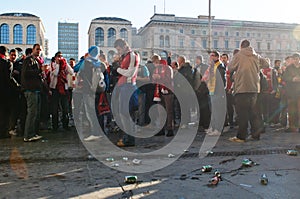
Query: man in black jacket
[
  {"x": 31, "y": 82},
  {"x": 5, "y": 67}
]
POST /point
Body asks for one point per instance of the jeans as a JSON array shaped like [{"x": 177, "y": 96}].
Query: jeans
[
  {"x": 33, "y": 99},
  {"x": 59, "y": 99}
]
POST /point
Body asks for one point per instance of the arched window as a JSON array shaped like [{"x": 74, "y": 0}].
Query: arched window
[
  {"x": 99, "y": 37},
  {"x": 31, "y": 34},
  {"x": 111, "y": 37},
  {"x": 124, "y": 34},
  {"x": 4, "y": 34},
  {"x": 161, "y": 41},
  {"x": 167, "y": 41},
  {"x": 18, "y": 34}
]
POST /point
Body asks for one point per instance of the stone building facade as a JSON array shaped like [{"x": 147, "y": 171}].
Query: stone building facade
[
  {"x": 190, "y": 36},
  {"x": 21, "y": 30}
]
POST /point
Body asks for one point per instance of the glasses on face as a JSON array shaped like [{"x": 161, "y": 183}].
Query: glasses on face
[{"x": 212, "y": 55}]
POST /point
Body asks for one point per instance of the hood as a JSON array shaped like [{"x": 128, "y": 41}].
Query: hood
[{"x": 247, "y": 51}]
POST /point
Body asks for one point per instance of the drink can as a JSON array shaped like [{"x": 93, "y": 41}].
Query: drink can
[
  {"x": 206, "y": 168},
  {"x": 130, "y": 179},
  {"x": 264, "y": 179},
  {"x": 247, "y": 162},
  {"x": 292, "y": 152}
]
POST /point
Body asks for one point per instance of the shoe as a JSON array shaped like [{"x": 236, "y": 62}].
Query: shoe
[
  {"x": 170, "y": 133},
  {"x": 12, "y": 132},
  {"x": 209, "y": 130},
  {"x": 32, "y": 139},
  {"x": 120, "y": 143},
  {"x": 184, "y": 126},
  {"x": 235, "y": 139},
  {"x": 92, "y": 138},
  {"x": 214, "y": 133}
]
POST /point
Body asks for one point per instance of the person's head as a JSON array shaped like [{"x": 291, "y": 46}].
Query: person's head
[
  {"x": 296, "y": 57},
  {"x": 72, "y": 62},
  {"x": 58, "y": 54},
  {"x": 225, "y": 58},
  {"x": 288, "y": 60},
  {"x": 235, "y": 51},
  {"x": 181, "y": 60},
  {"x": 277, "y": 63},
  {"x": 3, "y": 50},
  {"x": 94, "y": 51},
  {"x": 245, "y": 43},
  {"x": 36, "y": 50},
  {"x": 156, "y": 59},
  {"x": 121, "y": 46},
  {"x": 28, "y": 51},
  {"x": 102, "y": 57},
  {"x": 214, "y": 55},
  {"x": 199, "y": 59},
  {"x": 174, "y": 65},
  {"x": 13, "y": 54}
]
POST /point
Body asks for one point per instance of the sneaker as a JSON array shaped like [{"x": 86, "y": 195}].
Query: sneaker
[
  {"x": 214, "y": 133},
  {"x": 235, "y": 139},
  {"x": 184, "y": 126},
  {"x": 92, "y": 138},
  {"x": 209, "y": 130},
  {"x": 13, "y": 132},
  {"x": 32, "y": 139}
]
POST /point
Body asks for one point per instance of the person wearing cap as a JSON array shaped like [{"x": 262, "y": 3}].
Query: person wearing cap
[
  {"x": 85, "y": 69},
  {"x": 292, "y": 78}
]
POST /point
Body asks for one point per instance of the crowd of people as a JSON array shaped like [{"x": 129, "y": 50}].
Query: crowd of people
[{"x": 39, "y": 96}]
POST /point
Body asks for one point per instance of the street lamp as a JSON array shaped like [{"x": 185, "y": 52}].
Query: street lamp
[{"x": 209, "y": 25}]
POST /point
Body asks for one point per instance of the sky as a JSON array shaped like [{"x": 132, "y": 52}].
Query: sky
[{"x": 139, "y": 12}]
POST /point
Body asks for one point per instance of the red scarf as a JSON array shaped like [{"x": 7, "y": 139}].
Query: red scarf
[{"x": 62, "y": 77}]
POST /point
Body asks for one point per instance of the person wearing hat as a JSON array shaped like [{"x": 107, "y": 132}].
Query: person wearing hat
[{"x": 86, "y": 70}]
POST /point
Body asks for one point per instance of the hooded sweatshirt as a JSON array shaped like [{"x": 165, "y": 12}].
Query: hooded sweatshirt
[{"x": 246, "y": 64}]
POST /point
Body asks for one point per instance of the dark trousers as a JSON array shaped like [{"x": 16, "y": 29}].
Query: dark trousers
[
  {"x": 293, "y": 112},
  {"x": 230, "y": 108},
  {"x": 245, "y": 104},
  {"x": 14, "y": 106},
  {"x": 167, "y": 102},
  {"x": 204, "y": 110},
  {"x": 4, "y": 111},
  {"x": 58, "y": 100}
]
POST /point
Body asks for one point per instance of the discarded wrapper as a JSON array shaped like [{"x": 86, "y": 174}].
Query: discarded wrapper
[
  {"x": 110, "y": 159},
  {"x": 136, "y": 161},
  {"x": 264, "y": 179},
  {"x": 292, "y": 152},
  {"x": 171, "y": 155},
  {"x": 130, "y": 179}
]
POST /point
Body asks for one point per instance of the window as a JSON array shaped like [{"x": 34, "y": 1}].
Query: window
[
  {"x": 192, "y": 32},
  {"x": 99, "y": 37},
  {"x": 181, "y": 43},
  {"x": 248, "y": 34},
  {"x": 258, "y": 45},
  {"x": 215, "y": 33},
  {"x": 204, "y": 32},
  {"x": 268, "y": 46},
  {"x": 181, "y": 31},
  {"x": 226, "y": 44},
  {"x": 4, "y": 34},
  {"x": 18, "y": 34},
  {"x": 215, "y": 44},
  {"x": 204, "y": 43},
  {"x": 161, "y": 30},
  {"x": 226, "y": 34},
  {"x": 124, "y": 34},
  {"x": 258, "y": 34},
  {"x": 237, "y": 44},
  {"x": 237, "y": 34},
  {"x": 279, "y": 46},
  {"x": 161, "y": 41},
  {"x": 111, "y": 37},
  {"x": 167, "y": 41},
  {"x": 193, "y": 43},
  {"x": 31, "y": 34}
]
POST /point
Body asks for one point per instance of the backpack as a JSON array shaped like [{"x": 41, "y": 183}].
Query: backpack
[{"x": 98, "y": 83}]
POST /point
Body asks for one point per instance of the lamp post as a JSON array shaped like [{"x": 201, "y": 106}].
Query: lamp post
[{"x": 209, "y": 25}]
